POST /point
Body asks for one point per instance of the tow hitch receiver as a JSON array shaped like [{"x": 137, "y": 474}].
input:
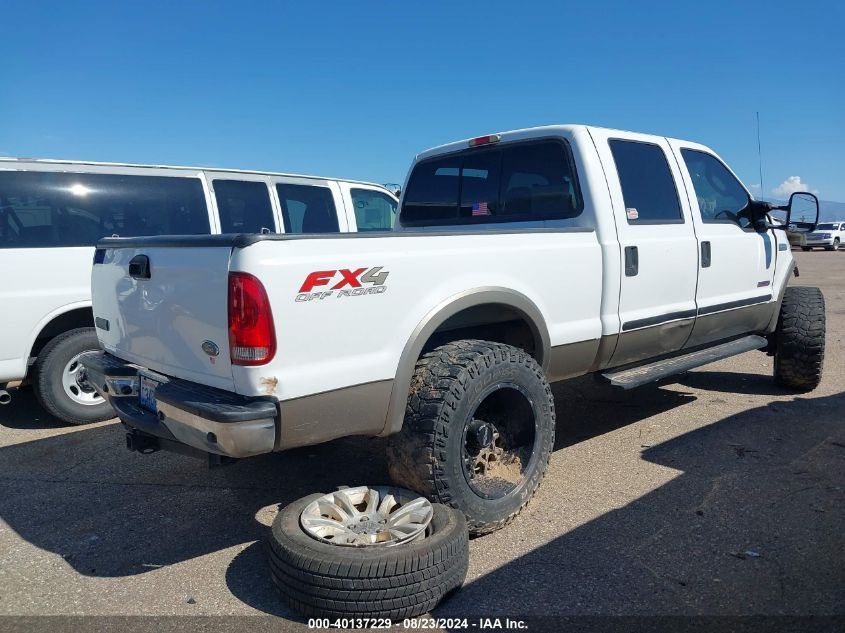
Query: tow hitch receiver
[{"x": 142, "y": 443}]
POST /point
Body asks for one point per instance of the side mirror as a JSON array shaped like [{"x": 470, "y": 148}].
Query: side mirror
[
  {"x": 393, "y": 188},
  {"x": 802, "y": 211}
]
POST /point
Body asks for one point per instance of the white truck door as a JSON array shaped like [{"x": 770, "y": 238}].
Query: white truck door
[
  {"x": 658, "y": 247},
  {"x": 737, "y": 264}
]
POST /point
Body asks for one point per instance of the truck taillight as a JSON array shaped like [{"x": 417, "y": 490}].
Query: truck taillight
[{"x": 252, "y": 336}]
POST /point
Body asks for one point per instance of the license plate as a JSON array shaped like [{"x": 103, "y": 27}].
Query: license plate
[{"x": 147, "y": 392}]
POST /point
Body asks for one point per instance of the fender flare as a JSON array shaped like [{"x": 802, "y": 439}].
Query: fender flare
[{"x": 436, "y": 317}]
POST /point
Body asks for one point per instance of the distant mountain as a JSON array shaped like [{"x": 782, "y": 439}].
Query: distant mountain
[{"x": 829, "y": 211}]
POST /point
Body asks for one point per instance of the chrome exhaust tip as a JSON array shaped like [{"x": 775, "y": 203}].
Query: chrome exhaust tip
[{"x": 5, "y": 397}]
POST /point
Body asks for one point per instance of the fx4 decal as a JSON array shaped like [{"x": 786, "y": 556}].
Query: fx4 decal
[{"x": 345, "y": 282}]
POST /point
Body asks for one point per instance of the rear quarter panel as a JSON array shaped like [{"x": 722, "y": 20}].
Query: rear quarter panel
[{"x": 333, "y": 341}]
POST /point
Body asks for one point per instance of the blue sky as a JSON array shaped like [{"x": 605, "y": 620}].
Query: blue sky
[{"x": 355, "y": 89}]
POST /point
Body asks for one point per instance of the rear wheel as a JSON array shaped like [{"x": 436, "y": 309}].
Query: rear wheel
[
  {"x": 800, "y": 339},
  {"x": 805, "y": 248},
  {"x": 60, "y": 384},
  {"x": 478, "y": 431}
]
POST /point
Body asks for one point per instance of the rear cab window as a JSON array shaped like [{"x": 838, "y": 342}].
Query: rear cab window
[
  {"x": 374, "y": 210},
  {"x": 526, "y": 181},
  {"x": 243, "y": 206},
  {"x": 42, "y": 209},
  {"x": 307, "y": 208}
]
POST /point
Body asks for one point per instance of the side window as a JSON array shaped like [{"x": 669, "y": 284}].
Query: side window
[
  {"x": 53, "y": 209},
  {"x": 520, "y": 182},
  {"x": 648, "y": 188},
  {"x": 244, "y": 206},
  {"x": 374, "y": 210},
  {"x": 721, "y": 198},
  {"x": 307, "y": 209}
]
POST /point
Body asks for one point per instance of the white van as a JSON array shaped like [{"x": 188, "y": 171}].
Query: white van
[{"x": 53, "y": 212}]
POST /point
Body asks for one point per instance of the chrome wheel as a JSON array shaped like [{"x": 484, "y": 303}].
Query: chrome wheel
[
  {"x": 365, "y": 516},
  {"x": 76, "y": 385}
]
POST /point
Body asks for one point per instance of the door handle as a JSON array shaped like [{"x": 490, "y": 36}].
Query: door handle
[
  {"x": 706, "y": 257},
  {"x": 632, "y": 261}
]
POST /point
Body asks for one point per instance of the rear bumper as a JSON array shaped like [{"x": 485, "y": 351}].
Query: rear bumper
[{"x": 207, "y": 419}]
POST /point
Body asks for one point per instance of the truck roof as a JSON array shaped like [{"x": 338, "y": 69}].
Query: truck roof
[
  {"x": 513, "y": 135},
  {"x": 56, "y": 161}
]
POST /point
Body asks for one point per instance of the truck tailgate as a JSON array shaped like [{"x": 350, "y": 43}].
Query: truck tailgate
[{"x": 173, "y": 321}]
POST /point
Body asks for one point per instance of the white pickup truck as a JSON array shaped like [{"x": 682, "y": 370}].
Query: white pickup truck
[{"x": 518, "y": 259}]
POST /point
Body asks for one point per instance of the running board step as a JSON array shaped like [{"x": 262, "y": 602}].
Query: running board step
[{"x": 644, "y": 374}]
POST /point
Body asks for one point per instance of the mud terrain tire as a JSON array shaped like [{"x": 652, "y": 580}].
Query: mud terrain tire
[
  {"x": 800, "y": 339},
  {"x": 449, "y": 391}
]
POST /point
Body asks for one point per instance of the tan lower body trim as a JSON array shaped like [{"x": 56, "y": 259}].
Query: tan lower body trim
[{"x": 355, "y": 410}]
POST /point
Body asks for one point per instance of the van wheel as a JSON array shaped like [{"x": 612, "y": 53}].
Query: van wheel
[
  {"x": 799, "y": 339},
  {"x": 805, "y": 248},
  {"x": 60, "y": 385},
  {"x": 478, "y": 432}
]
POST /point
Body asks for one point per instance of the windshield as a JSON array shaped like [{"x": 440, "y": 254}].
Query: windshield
[{"x": 827, "y": 227}]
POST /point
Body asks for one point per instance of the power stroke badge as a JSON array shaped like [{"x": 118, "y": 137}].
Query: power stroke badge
[{"x": 344, "y": 282}]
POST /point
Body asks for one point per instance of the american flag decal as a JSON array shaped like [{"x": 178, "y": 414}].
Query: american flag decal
[{"x": 480, "y": 208}]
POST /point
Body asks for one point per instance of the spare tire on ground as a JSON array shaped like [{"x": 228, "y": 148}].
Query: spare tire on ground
[{"x": 367, "y": 552}]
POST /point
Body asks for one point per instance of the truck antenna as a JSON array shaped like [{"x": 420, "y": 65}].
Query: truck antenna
[{"x": 760, "y": 157}]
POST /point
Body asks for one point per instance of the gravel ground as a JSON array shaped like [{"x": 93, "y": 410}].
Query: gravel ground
[{"x": 713, "y": 494}]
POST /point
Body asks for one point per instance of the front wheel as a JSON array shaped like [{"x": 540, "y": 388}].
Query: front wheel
[
  {"x": 60, "y": 384},
  {"x": 805, "y": 248},
  {"x": 478, "y": 431},
  {"x": 800, "y": 339}
]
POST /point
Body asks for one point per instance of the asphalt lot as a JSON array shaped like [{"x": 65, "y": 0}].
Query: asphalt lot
[{"x": 715, "y": 494}]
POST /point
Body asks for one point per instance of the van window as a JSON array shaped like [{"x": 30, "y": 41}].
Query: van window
[
  {"x": 516, "y": 182},
  {"x": 49, "y": 209},
  {"x": 374, "y": 210},
  {"x": 648, "y": 188},
  {"x": 307, "y": 209},
  {"x": 244, "y": 206},
  {"x": 720, "y": 196}
]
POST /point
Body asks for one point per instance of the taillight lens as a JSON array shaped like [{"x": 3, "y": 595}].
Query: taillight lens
[{"x": 252, "y": 336}]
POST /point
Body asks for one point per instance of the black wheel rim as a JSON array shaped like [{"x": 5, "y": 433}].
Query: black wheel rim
[{"x": 498, "y": 441}]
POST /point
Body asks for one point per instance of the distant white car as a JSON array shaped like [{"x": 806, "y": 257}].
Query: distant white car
[
  {"x": 53, "y": 212},
  {"x": 829, "y": 235}
]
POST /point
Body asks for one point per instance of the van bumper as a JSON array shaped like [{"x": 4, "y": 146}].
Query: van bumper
[{"x": 187, "y": 413}]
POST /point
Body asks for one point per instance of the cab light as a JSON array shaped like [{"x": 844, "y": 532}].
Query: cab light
[{"x": 485, "y": 140}]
